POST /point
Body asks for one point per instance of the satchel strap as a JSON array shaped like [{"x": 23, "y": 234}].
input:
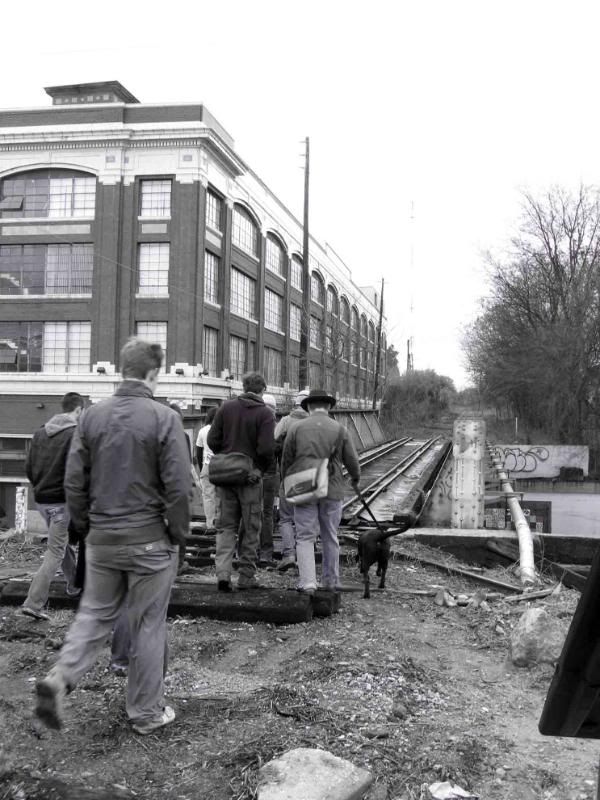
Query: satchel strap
[{"x": 339, "y": 440}]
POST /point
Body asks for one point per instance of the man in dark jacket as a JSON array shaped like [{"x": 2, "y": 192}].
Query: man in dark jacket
[
  {"x": 308, "y": 442},
  {"x": 45, "y": 468},
  {"x": 127, "y": 484},
  {"x": 243, "y": 425}
]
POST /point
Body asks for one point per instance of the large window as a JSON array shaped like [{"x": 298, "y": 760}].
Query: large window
[
  {"x": 155, "y": 198},
  {"x": 315, "y": 332},
  {"x": 294, "y": 373},
  {"x": 273, "y": 311},
  {"x": 21, "y": 346},
  {"x": 155, "y": 333},
  {"x": 314, "y": 375},
  {"x": 354, "y": 319},
  {"x": 275, "y": 257},
  {"x": 371, "y": 331},
  {"x": 244, "y": 231},
  {"x": 317, "y": 289},
  {"x": 238, "y": 356},
  {"x": 332, "y": 301},
  {"x": 214, "y": 211},
  {"x": 296, "y": 277},
  {"x": 66, "y": 347},
  {"x": 209, "y": 350},
  {"x": 54, "y": 269},
  {"x": 363, "y": 326},
  {"x": 272, "y": 366},
  {"x": 153, "y": 269},
  {"x": 354, "y": 352},
  {"x": 54, "y": 194},
  {"x": 295, "y": 322},
  {"x": 243, "y": 294},
  {"x": 345, "y": 310},
  {"x": 211, "y": 278}
]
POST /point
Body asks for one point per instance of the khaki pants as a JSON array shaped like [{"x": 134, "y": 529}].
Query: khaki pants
[
  {"x": 145, "y": 572},
  {"x": 238, "y": 504},
  {"x": 209, "y": 498}
]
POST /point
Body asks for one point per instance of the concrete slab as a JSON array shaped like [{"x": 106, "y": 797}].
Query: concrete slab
[{"x": 311, "y": 774}]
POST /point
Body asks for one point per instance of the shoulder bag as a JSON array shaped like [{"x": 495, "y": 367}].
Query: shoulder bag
[{"x": 311, "y": 484}]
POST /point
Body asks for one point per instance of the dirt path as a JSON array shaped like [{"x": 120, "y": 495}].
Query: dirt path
[{"x": 411, "y": 691}]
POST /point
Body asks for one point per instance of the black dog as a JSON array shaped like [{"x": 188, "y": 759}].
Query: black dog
[{"x": 374, "y": 548}]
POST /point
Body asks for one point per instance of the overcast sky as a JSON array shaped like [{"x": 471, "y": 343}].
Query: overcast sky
[{"x": 452, "y": 108}]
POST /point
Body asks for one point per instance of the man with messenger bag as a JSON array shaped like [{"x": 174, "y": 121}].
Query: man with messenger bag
[
  {"x": 241, "y": 438},
  {"x": 311, "y": 468}
]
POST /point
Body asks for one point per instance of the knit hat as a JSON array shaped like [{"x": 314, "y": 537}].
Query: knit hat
[
  {"x": 300, "y": 397},
  {"x": 269, "y": 400}
]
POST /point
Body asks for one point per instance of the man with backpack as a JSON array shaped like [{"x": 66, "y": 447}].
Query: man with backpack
[
  {"x": 308, "y": 443},
  {"x": 241, "y": 438}
]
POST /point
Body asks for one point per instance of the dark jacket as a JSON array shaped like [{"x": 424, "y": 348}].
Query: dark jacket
[
  {"x": 313, "y": 439},
  {"x": 128, "y": 469},
  {"x": 47, "y": 458},
  {"x": 244, "y": 425}
]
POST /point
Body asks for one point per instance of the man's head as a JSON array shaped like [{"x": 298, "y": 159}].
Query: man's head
[
  {"x": 210, "y": 415},
  {"x": 177, "y": 408},
  {"x": 141, "y": 361},
  {"x": 317, "y": 400},
  {"x": 72, "y": 402},
  {"x": 253, "y": 382},
  {"x": 300, "y": 397}
]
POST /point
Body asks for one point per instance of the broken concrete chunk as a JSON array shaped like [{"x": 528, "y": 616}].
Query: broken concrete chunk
[
  {"x": 537, "y": 638},
  {"x": 449, "y": 791},
  {"x": 310, "y": 774}
]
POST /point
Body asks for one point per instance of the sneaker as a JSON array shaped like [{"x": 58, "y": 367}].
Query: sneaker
[
  {"x": 286, "y": 563},
  {"x": 51, "y": 692},
  {"x": 144, "y": 728},
  {"x": 119, "y": 670},
  {"x": 30, "y": 612},
  {"x": 73, "y": 591},
  {"x": 248, "y": 583},
  {"x": 224, "y": 586}
]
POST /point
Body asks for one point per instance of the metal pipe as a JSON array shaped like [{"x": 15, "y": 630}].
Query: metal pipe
[{"x": 526, "y": 561}]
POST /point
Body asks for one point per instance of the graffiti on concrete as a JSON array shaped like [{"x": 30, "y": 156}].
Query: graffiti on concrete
[{"x": 516, "y": 459}]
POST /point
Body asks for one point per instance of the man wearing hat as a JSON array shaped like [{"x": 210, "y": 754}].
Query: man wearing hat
[
  {"x": 286, "y": 509},
  {"x": 307, "y": 442}
]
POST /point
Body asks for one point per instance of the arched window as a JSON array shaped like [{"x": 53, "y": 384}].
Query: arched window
[
  {"x": 296, "y": 273},
  {"x": 332, "y": 301},
  {"x": 244, "y": 231},
  {"x": 275, "y": 257},
  {"x": 345, "y": 310},
  {"x": 371, "y": 331},
  {"x": 363, "y": 325},
  {"x": 50, "y": 193},
  {"x": 317, "y": 289},
  {"x": 355, "y": 324}
]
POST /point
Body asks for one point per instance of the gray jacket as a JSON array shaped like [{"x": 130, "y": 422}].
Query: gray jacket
[
  {"x": 312, "y": 439},
  {"x": 128, "y": 469}
]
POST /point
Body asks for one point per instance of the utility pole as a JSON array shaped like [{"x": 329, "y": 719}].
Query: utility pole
[
  {"x": 378, "y": 354},
  {"x": 304, "y": 370}
]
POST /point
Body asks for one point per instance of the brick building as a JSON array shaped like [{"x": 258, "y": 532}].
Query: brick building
[{"x": 118, "y": 217}]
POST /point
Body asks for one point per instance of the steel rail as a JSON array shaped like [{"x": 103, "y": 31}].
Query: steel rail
[
  {"x": 381, "y": 451},
  {"x": 381, "y": 483}
]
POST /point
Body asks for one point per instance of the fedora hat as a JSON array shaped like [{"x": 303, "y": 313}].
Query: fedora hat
[{"x": 317, "y": 395}]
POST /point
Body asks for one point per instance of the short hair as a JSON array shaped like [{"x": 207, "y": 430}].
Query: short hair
[
  {"x": 210, "y": 415},
  {"x": 319, "y": 404},
  {"x": 138, "y": 358},
  {"x": 71, "y": 401},
  {"x": 253, "y": 382}
]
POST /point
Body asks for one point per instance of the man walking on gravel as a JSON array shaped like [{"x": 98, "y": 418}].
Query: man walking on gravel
[
  {"x": 45, "y": 468},
  {"x": 308, "y": 442},
  {"x": 242, "y": 427},
  {"x": 127, "y": 484}
]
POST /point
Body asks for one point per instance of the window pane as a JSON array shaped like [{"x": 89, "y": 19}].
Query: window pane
[
  {"x": 345, "y": 311},
  {"x": 237, "y": 356},
  {"x": 314, "y": 375},
  {"x": 295, "y": 322},
  {"x": 273, "y": 311},
  {"x": 211, "y": 278},
  {"x": 272, "y": 366},
  {"x": 209, "y": 350},
  {"x": 315, "y": 332},
  {"x": 296, "y": 274},
  {"x": 317, "y": 291},
  {"x": 66, "y": 346},
  {"x": 155, "y": 198},
  {"x": 332, "y": 301},
  {"x": 214, "y": 211},
  {"x": 294, "y": 375},
  {"x": 48, "y": 193},
  {"x": 153, "y": 269},
  {"x": 243, "y": 294},
  {"x": 244, "y": 232},
  {"x": 155, "y": 333},
  {"x": 21, "y": 346},
  {"x": 275, "y": 257},
  {"x": 46, "y": 269}
]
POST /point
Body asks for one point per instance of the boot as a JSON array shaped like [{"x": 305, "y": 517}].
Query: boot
[{"x": 305, "y": 560}]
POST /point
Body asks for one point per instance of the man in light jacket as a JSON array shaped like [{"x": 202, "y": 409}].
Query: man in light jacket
[
  {"x": 308, "y": 442},
  {"x": 127, "y": 484}
]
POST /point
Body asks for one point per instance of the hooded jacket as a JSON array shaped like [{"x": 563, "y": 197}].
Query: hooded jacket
[
  {"x": 47, "y": 458},
  {"x": 244, "y": 425},
  {"x": 129, "y": 469}
]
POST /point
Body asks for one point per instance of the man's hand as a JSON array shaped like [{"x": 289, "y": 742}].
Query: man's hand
[{"x": 355, "y": 484}]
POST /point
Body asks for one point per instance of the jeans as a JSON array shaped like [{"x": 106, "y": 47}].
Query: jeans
[
  {"x": 145, "y": 572},
  {"x": 270, "y": 490},
  {"x": 238, "y": 504},
  {"x": 58, "y": 553},
  {"x": 286, "y": 528},
  {"x": 322, "y": 517},
  {"x": 209, "y": 498}
]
